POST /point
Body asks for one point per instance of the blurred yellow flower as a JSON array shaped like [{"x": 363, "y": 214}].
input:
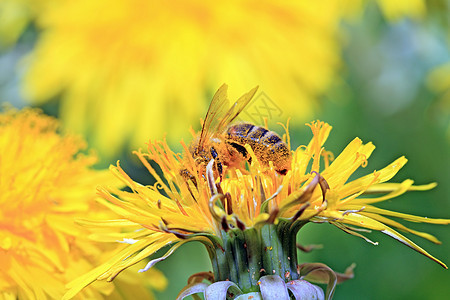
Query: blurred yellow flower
[
  {"x": 175, "y": 211},
  {"x": 45, "y": 184},
  {"x": 150, "y": 63}
]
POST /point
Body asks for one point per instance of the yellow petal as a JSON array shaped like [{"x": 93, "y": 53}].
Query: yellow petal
[
  {"x": 383, "y": 175},
  {"x": 408, "y": 217},
  {"x": 350, "y": 159},
  {"x": 409, "y": 243},
  {"x": 392, "y": 223},
  {"x": 364, "y": 221},
  {"x": 382, "y": 188}
]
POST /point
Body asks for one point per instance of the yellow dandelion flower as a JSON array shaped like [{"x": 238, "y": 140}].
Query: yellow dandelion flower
[
  {"x": 248, "y": 218},
  {"x": 45, "y": 184}
]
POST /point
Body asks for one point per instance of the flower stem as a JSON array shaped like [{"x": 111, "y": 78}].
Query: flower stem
[{"x": 246, "y": 255}]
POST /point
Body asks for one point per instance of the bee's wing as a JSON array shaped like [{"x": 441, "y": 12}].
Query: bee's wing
[
  {"x": 216, "y": 110},
  {"x": 219, "y": 115},
  {"x": 236, "y": 109}
]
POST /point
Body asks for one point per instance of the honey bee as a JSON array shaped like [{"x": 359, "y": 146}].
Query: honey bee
[{"x": 225, "y": 142}]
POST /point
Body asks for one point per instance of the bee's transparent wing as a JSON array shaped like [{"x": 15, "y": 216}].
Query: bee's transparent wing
[
  {"x": 220, "y": 115},
  {"x": 217, "y": 109},
  {"x": 236, "y": 109}
]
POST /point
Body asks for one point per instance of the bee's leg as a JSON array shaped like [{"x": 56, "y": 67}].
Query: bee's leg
[
  {"x": 217, "y": 161},
  {"x": 188, "y": 176}
]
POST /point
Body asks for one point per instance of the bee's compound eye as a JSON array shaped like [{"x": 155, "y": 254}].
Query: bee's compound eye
[{"x": 282, "y": 172}]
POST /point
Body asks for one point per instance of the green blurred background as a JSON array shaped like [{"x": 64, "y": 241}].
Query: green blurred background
[{"x": 383, "y": 96}]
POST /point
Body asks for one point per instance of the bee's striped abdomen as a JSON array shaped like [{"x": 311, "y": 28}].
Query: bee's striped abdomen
[{"x": 266, "y": 145}]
